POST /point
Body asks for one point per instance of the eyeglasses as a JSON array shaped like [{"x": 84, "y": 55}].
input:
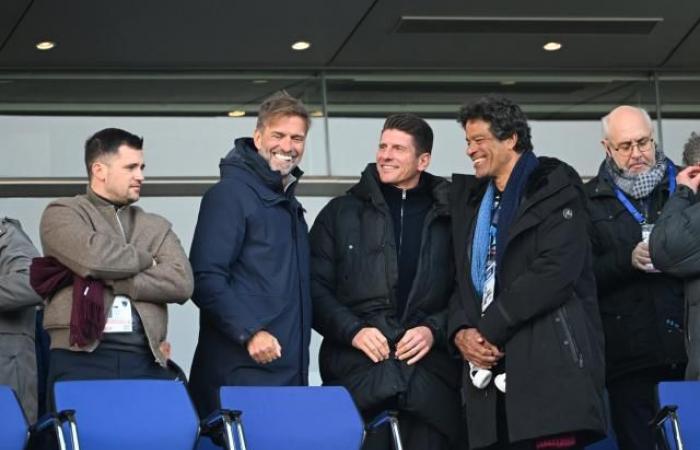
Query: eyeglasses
[{"x": 625, "y": 148}]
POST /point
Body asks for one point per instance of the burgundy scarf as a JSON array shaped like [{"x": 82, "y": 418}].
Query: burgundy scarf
[{"x": 87, "y": 318}]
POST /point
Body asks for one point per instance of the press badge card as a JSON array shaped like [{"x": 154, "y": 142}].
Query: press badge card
[
  {"x": 119, "y": 317},
  {"x": 646, "y": 233}
]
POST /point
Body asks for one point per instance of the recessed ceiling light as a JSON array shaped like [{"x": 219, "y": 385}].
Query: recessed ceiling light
[
  {"x": 259, "y": 81},
  {"x": 45, "y": 45},
  {"x": 301, "y": 45},
  {"x": 552, "y": 46},
  {"x": 316, "y": 113},
  {"x": 236, "y": 113}
]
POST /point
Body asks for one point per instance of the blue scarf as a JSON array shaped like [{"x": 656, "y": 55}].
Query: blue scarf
[{"x": 508, "y": 208}]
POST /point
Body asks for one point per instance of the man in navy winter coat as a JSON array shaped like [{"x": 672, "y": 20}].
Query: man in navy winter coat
[{"x": 250, "y": 257}]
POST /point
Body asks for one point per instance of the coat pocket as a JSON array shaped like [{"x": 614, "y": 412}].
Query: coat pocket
[{"x": 567, "y": 337}]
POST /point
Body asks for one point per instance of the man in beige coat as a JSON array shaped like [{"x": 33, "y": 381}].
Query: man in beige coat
[{"x": 129, "y": 259}]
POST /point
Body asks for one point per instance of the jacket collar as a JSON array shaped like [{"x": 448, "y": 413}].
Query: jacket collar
[
  {"x": 368, "y": 188},
  {"x": 550, "y": 177},
  {"x": 101, "y": 202},
  {"x": 244, "y": 162}
]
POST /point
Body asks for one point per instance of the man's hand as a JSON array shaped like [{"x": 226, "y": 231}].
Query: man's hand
[
  {"x": 373, "y": 343},
  {"x": 166, "y": 349},
  {"x": 415, "y": 344},
  {"x": 264, "y": 347},
  {"x": 475, "y": 349},
  {"x": 640, "y": 257},
  {"x": 689, "y": 177}
]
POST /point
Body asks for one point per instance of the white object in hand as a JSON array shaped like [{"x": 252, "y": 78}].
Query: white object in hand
[{"x": 480, "y": 377}]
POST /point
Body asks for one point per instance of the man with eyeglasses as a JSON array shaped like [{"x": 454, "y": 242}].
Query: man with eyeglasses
[{"x": 641, "y": 308}]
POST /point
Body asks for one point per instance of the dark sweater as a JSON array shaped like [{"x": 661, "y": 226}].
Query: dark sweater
[{"x": 408, "y": 210}]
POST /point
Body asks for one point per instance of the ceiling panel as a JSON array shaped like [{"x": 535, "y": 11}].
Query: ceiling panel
[
  {"x": 180, "y": 33},
  {"x": 377, "y": 42},
  {"x": 10, "y": 13},
  {"x": 185, "y": 57},
  {"x": 687, "y": 55}
]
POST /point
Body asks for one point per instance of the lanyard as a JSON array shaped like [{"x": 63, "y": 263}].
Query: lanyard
[{"x": 670, "y": 172}]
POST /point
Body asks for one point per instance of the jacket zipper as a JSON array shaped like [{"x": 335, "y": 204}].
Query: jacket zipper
[
  {"x": 133, "y": 308},
  {"x": 119, "y": 222},
  {"x": 429, "y": 218},
  {"x": 573, "y": 348},
  {"x": 403, "y": 201}
]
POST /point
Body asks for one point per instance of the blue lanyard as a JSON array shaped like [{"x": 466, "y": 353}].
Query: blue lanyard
[{"x": 670, "y": 172}]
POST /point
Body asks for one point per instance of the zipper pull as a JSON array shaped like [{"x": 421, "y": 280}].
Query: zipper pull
[{"x": 403, "y": 194}]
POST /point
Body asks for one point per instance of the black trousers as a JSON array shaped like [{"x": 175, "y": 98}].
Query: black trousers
[
  {"x": 415, "y": 435},
  {"x": 633, "y": 403},
  {"x": 102, "y": 364}
]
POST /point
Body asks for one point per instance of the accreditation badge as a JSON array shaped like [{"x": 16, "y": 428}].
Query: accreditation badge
[{"x": 119, "y": 317}]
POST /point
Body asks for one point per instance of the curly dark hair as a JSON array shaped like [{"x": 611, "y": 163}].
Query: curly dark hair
[{"x": 504, "y": 118}]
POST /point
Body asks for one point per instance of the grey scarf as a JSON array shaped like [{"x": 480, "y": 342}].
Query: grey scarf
[{"x": 638, "y": 185}]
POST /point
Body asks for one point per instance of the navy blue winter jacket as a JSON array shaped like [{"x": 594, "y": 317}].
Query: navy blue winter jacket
[{"x": 250, "y": 257}]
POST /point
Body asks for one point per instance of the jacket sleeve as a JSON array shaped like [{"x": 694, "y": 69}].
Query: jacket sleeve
[
  {"x": 457, "y": 318},
  {"x": 69, "y": 237},
  {"x": 549, "y": 279},
  {"x": 674, "y": 243},
  {"x": 437, "y": 323},
  {"x": 216, "y": 245},
  {"x": 169, "y": 280},
  {"x": 331, "y": 318},
  {"x": 612, "y": 265},
  {"x": 16, "y": 253}
]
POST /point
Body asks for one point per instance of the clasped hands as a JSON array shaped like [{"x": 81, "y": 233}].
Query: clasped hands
[
  {"x": 412, "y": 347},
  {"x": 476, "y": 349}
]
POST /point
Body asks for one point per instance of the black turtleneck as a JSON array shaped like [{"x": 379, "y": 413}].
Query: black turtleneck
[{"x": 408, "y": 210}]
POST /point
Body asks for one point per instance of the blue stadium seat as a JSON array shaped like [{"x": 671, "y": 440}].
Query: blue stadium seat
[
  {"x": 679, "y": 403},
  {"x": 296, "y": 418},
  {"x": 128, "y": 414},
  {"x": 608, "y": 443},
  {"x": 13, "y": 424}
]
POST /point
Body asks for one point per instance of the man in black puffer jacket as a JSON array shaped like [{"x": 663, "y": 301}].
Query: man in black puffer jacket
[{"x": 382, "y": 275}]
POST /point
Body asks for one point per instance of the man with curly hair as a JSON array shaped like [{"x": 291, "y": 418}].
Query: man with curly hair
[{"x": 525, "y": 304}]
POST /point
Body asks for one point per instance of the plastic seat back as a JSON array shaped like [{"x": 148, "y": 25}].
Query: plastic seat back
[
  {"x": 606, "y": 444},
  {"x": 686, "y": 396},
  {"x": 13, "y": 423},
  {"x": 296, "y": 418},
  {"x": 130, "y": 414}
]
